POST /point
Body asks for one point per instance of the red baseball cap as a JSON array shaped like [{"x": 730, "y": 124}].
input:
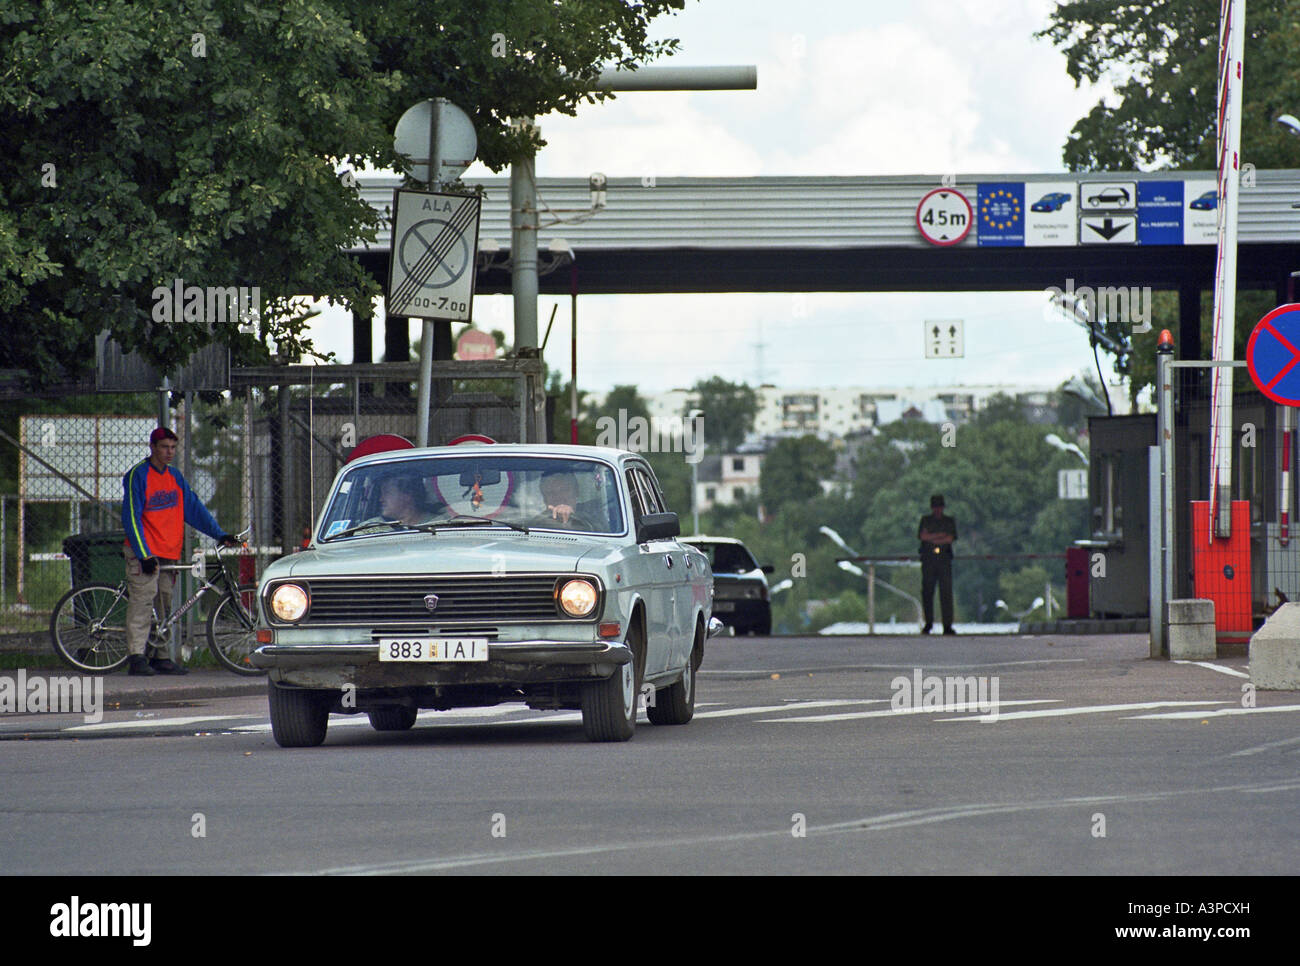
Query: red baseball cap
[{"x": 162, "y": 432}]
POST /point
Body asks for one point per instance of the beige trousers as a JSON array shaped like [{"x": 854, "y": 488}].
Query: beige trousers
[{"x": 144, "y": 594}]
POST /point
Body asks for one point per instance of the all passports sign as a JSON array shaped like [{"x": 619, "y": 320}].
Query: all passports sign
[{"x": 432, "y": 269}]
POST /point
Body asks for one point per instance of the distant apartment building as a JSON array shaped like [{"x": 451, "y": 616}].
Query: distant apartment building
[
  {"x": 728, "y": 479},
  {"x": 840, "y": 412}
]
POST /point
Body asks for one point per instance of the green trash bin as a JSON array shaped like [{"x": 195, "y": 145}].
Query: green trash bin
[{"x": 96, "y": 558}]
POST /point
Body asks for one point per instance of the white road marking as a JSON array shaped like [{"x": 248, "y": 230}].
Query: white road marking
[
  {"x": 1262, "y": 748},
  {"x": 1220, "y": 712},
  {"x": 437, "y": 717},
  {"x": 762, "y": 672},
  {"x": 158, "y": 722},
  {"x": 1216, "y": 667},
  {"x": 791, "y": 706},
  {"x": 557, "y": 717},
  {"x": 878, "y": 823},
  {"x": 954, "y": 708},
  {"x": 1089, "y": 709}
]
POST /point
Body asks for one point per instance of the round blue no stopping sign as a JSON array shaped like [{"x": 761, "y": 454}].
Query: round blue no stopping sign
[{"x": 1273, "y": 355}]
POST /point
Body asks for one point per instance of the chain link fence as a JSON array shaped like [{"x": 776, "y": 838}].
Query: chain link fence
[{"x": 261, "y": 456}]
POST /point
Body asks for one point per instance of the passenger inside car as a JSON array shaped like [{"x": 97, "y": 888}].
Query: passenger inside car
[{"x": 402, "y": 498}]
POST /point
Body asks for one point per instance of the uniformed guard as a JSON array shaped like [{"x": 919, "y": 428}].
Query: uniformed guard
[{"x": 936, "y": 533}]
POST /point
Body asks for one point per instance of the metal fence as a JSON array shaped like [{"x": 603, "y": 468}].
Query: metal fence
[{"x": 261, "y": 456}]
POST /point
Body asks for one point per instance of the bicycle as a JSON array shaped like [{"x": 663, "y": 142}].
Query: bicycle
[{"x": 88, "y": 625}]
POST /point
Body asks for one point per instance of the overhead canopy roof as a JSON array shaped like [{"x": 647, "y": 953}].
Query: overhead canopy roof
[{"x": 789, "y": 234}]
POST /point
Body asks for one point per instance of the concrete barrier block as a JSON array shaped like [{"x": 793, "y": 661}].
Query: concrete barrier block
[
  {"x": 1191, "y": 630},
  {"x": 1275, "y": 651}
]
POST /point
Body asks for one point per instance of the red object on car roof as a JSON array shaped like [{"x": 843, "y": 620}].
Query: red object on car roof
[{"x": 381, "y": 443}]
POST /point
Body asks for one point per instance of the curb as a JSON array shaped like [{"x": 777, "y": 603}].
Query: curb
[{"x": 121, "y": 690}]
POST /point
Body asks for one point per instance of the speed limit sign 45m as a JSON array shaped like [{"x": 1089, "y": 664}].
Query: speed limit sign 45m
[{"x": 944, "y": 217}]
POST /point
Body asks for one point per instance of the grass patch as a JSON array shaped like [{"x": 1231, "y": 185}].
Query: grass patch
[{"x": 13, "y": 660}]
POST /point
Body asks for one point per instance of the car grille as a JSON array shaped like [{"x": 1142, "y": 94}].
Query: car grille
[
  {"x": 400, "y": 600},
  {"x": 421, "y": 630}
]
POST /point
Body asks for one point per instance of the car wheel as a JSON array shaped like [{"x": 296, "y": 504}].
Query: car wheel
[
  {"x": 764, "y": 626},
  {"x": 395, "y": 717},
  {"x": 609, "y": 706},
  {"x": 299, "y": 717},
  {"x": 675, "y": 704}
]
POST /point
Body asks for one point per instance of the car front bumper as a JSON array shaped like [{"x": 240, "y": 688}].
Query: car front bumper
[
  {"x": 509, "y": 662},
  {"x": 743, "y": 612}
]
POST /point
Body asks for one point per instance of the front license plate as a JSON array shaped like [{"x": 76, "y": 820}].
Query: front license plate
[
  {"x": 433, "y": 649},
  {"x": 724, "y": 606}
]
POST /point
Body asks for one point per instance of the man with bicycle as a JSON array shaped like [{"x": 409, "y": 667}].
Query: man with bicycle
[{"x": 156, "y": 505}]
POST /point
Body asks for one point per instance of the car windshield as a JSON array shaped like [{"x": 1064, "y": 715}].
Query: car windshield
[
  {"x": 451, "y": 491},
  {"x": 728, "y": 558}
]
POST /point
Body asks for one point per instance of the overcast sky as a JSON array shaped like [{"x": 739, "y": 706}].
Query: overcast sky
[{"x": 859, "y": 87}]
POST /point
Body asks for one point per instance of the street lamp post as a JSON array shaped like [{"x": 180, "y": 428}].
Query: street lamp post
[
  {"x": 693, "y": 415},
  {"x": 871, "y": 575},
  {"x": 871, "y": 580}
]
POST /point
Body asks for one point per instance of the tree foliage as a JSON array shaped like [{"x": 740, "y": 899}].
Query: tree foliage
[
  {"x": 729, "y": 411},
  {"x": 212, "y": 141},
  {"x": 794, "y": 470},
  {"x": 1161, "y": 57}
]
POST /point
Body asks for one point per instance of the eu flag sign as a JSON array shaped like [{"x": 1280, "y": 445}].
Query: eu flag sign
[{"x": 1001, "y": 213}]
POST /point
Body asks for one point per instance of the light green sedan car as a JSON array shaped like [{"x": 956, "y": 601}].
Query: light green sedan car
[{"x": 475, "y": 575}]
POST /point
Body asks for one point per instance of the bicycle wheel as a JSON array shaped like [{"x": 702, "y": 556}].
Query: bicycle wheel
[
  {"x": 232, "y": 630},
  {"x": 88, "y": 628}
]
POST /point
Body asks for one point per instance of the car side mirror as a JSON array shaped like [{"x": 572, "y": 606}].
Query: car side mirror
[{"x": 657, "y": 526}]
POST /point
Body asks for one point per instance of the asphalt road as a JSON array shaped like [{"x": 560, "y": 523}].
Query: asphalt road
[{"x": 1095, "y": 760}]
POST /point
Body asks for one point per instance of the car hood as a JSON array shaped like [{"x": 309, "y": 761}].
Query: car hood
[{"x": 443, "y": 553}]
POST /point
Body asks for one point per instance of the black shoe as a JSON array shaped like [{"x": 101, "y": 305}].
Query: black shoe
[
  {"x": 139, "y": 664},
  {"x": 926, "y": 628},
  {"x": 949, "y": 632},
  {"x": 166, "y": 666}
]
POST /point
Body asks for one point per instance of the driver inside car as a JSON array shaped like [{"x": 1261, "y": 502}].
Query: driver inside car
[{"x": 559, "y": 491}]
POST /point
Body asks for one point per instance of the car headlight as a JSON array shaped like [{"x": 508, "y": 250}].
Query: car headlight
[
  {"x": 289, "y": 602},
  {"x": 578, "y": 598}
]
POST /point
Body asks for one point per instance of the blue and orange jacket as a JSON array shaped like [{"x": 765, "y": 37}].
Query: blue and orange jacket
[{"x": 155, "y": 508}]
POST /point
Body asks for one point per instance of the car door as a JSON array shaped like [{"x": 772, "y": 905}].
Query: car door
[
  {"x": 656, "y": 571},
  {"x": 682, "y": 572}
]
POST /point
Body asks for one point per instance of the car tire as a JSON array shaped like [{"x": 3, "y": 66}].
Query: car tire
[
  {"x": 299, "y": 717},
  {"x": 393, "y": 717},
  {"x": 609, "y": 706},
  {"x": 763, "y": 627},
  {"x": 675, "y": 704}
]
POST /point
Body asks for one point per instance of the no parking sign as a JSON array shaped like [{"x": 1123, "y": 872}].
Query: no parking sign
[{"x": 1273, "y": 355}]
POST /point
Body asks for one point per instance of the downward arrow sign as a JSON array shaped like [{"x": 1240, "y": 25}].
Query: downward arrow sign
[{"x": 1108, "y": 228}]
